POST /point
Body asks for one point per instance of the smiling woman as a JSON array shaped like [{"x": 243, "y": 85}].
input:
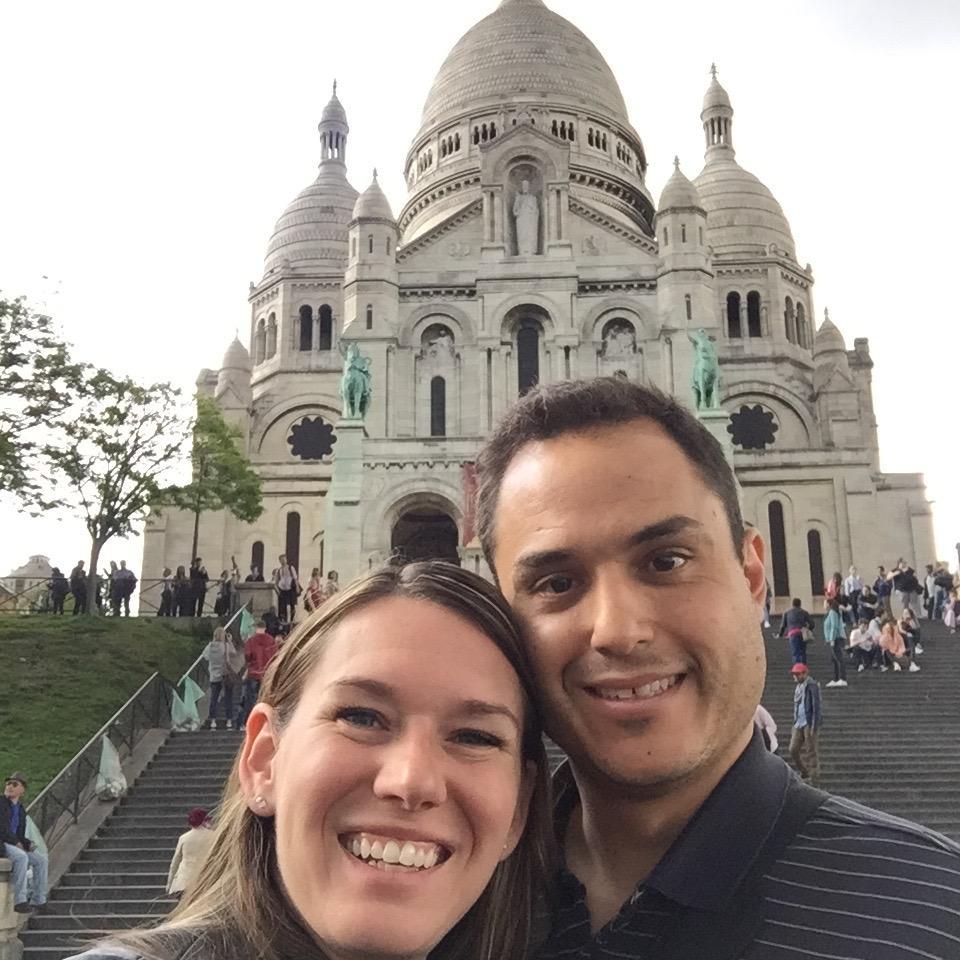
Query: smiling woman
[{"x": 389, "y": 798}]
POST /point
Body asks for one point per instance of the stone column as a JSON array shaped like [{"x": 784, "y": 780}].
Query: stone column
[
  {"x": 717, "y": 421},
  {"x": 343, "y": 526},
  {"x": 10, "y": 946}
]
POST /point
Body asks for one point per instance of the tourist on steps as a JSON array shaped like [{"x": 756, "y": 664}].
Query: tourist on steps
[
  {"x": 853, "y": 589},
  {"x": 390, "y": 797},
  {"x": 865, "y": 646},
  {"x": 20, "y": 851},
  {"x": 910, "y": 630},
  {"x": 807, "y": 717},
  {"x": 226, "y": 665},
  {"x": 893, "y": 648},
  {"x": 794, "y": 625},
  {"x": 191, "y": 853},
  {"x": 836, "y": 640},
  {"x": 258, "y": 651}
]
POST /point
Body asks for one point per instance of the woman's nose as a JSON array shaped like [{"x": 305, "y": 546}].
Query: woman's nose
[{"x": 412, "y": 772}]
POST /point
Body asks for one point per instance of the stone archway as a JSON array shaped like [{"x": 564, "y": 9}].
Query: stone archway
[{"x": 425, "y": 533}]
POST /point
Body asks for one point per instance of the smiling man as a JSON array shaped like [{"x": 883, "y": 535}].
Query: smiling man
[{"x": 611, "y": 519}]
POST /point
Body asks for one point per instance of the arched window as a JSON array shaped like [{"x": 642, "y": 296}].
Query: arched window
[
  {"x": 666, "y": 237},
  {"x": 528, "y": 357},
  {"x": 326, "y": 328},
  {"x": 789, "y": 322},
  {"x": 754, "y": 328},
  {"x": 802, "y": 326},
  {"x": 734, "y": 331},
  {"x": 438, "y": 407},
  {"x": 493, "y": 130},
  {"x": 260, "y": 342},
  {"x": 256, "y": 555},
  {"x": 683, "y": 233},
  {"x": 306, "y": 327},
  {"x": 688, "y": 303},
  {"x": 456, "y": 142},
  {"x": 476, "y": 134},
  {"x": 293, "y": 540},
  {"x": 590, "y": 136},
  {"x": 815, "y": 554},
  {"x": 369, "y": 316},
  {"x": 353, "y": 248},
  {"x": 370, "y": 243},
  {"x": 778, "y": 549},
  {"x": 272, "y": 336},
  {"x": 386, "y": 246},
  {"x": 555, "y": 128}
]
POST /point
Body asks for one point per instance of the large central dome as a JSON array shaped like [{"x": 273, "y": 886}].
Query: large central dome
[{"x": 523, "y": 51}]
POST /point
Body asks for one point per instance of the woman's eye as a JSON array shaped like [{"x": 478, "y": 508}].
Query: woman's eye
[
  {"x": 360, "y": 717},
  {"x": 478, "y": 738},
  {"x": 665, "y": 562}
]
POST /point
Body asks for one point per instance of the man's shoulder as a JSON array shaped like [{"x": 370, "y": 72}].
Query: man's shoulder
[
  {"x": 858, "y": 883},
  {"x": 872, "y": 848}
]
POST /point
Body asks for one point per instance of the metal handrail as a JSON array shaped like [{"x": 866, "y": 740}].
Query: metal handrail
[{"x": 61, "y": 801}]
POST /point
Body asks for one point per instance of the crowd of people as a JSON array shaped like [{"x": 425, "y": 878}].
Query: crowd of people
[
  {"x": 112, "y": 589},
  {"x": 184, "y": 593}
]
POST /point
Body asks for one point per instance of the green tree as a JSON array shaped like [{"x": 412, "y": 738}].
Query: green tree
[
  {"x": 38, "y": 382},
  {"x": 222, "y": 476},
  {"x": 108, "y": 453}
]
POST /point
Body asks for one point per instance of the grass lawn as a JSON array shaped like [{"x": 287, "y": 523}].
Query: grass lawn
[{"x": 62, "y": 678}]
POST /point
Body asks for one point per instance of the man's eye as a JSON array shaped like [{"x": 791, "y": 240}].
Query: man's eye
[
  {"x": 666, "y": 562},
  {"x": 360, "y": 717},
  {"x": 554, "y": 585}
]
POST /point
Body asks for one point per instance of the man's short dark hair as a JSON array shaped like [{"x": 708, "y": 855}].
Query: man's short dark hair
[
  {"x": 796, "y": 602},
  {"x": 579, "y": 406}
]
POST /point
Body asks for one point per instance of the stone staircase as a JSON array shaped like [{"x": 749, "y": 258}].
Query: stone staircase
[
  {"x": 119, "y": 880},
  {"x": 890, "y": 740}
]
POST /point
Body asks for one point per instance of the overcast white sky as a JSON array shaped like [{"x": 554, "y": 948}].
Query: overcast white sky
[{"x": 148, "y": 150}]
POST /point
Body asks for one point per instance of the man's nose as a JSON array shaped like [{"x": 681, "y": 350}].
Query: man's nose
[
  {"x": 623, "y": 614},
  {"x": 412, "y": 771}
]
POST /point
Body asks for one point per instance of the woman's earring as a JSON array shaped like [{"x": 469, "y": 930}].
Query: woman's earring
[{"x": 260, "y": 801}]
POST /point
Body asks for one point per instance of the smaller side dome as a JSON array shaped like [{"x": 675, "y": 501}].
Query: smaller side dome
[
  {"x": 372, "y": 204},
  {"x": 715, "y": 96},
  {"x": 829, "y": 339},
  {"x": 237, "y": 357},
  {"x": 679, "y": 191}
]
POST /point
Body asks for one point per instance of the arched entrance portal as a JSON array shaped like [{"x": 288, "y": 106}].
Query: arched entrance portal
[{"x": 425, "y": 533}]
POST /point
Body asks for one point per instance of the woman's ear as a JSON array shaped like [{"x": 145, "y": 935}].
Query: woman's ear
[
  {"x": 256, "y": 767},
  {"x": 527, "y": 783}
]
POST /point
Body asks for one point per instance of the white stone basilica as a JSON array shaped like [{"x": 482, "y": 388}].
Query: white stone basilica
[{"x": 529, "y": 248}]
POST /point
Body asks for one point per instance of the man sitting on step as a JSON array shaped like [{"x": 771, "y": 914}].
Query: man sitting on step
[{"x": 19, "y": 850}]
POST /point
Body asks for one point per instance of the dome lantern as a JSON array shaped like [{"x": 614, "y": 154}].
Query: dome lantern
[
  {"x": 717, "y": 117},
  {"x": 333, "y": 129}
]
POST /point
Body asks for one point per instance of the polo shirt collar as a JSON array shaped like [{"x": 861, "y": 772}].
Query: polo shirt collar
[{"x": 712, "y": 856}]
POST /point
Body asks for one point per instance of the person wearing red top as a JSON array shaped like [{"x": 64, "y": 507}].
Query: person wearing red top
[{"x": 259, "y": 650}]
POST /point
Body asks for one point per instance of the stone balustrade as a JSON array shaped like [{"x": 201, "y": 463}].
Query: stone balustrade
[{"x": 10, "y": 946}]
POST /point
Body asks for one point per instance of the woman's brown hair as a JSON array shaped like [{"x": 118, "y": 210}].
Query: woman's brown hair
[{"x": 238, "y": 909}]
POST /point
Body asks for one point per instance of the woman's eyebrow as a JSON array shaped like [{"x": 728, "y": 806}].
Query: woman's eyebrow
[{"x": 462, "y": 708}]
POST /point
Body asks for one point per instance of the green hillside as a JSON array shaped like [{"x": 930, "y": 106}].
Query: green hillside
[{"x": 62, "y": 678}]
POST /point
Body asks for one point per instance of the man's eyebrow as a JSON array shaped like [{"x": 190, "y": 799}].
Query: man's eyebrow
[
  {"x": 530, "y": 563},
  {"x": 464, "y": 708}
]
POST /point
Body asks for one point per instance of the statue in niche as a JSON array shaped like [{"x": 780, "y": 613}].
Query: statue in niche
[
  {"x": 441, "y": 346},
  {"x": 356, "y": 383},
  {"x": 526, "y": 213},
  {"x": 706, "y": 372},
  {"x": 619, "y": 340}
]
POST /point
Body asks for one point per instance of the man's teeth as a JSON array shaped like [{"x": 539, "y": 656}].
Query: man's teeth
[
  {"x": 645, "y": 692},
  {"x": 421, "y": 856}
]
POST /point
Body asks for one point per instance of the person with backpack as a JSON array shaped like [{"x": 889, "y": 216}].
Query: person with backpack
[
  {"x": 797, "y": 626},
  {"x": 226, "y": 665}
]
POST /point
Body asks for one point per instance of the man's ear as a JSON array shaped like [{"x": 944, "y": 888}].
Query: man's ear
[
  {"x": 256, "y": 767},
  {"x": 754, "y": 565},
  {"x": 527, "y": 783}
]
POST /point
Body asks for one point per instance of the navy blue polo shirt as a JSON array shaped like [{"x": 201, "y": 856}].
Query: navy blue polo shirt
[{"x": 770, "y": 869}]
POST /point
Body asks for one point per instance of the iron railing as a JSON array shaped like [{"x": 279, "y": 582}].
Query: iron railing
[{"x": 61, "y": 802}]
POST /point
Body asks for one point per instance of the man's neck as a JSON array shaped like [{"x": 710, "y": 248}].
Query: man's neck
[{"x": 616, "y": 836}]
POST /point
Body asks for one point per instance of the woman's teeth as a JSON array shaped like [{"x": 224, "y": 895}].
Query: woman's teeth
[
  {"x": 385, "y": 854},
  {"x": 645, "y": 692}
]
